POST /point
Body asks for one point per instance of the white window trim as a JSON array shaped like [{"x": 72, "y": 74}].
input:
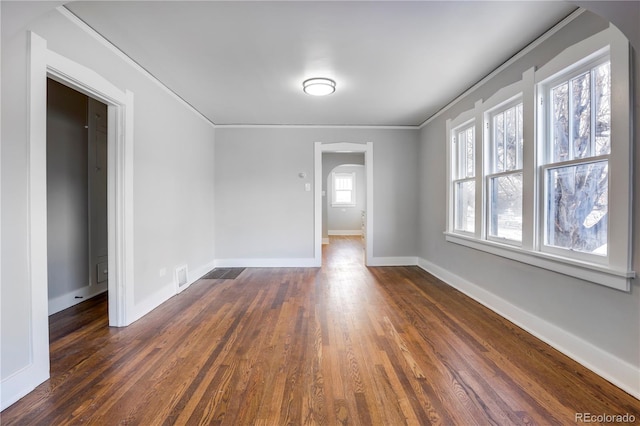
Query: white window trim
[
  {"x": 334, "y": 203},
  {"x": 618, "y": 279},
  {"x": 618, "y": 272}
]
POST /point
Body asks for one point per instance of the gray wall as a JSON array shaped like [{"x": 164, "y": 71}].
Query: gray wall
[
  {"x": 331, "y": 160},
  {"x": 173, "y": 181},
  {"x": 67, "y": 190},
  {"x": 263, "y": 211},
  {"x": 607, "y": 318}
]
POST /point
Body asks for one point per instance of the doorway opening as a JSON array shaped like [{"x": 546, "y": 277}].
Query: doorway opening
[
  {"x": 45, "y": 63},
  {"x": 329, "y": 157},
  {"x": 77, "y": 238},
  {"x": 344, "y": 202}
]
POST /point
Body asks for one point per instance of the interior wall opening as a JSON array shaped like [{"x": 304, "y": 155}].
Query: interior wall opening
[
  {"x": 77, "y": 237},
  {"x": 344, "y": 201},
  {"x": 347, "y": 216}
]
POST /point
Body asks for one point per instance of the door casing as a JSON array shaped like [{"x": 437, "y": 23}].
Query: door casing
[{"x": 43, "y": 64}]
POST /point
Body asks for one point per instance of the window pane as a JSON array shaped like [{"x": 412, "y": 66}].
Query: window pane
[
  {"x": 510, "y": 139},
  {"x": 581, "y": 109},
  {"x": 345, "y": 183},
  {"x": 519, "y": 137},
  {"x": 465, "y": 208},
  {"x": 560, "y": 122},
  {"x": 577, "y": 206},
  {"x": 507, "y": 140},
  {"x": 498, "y": 143},
  {"x": 342, "y": 197},
  {"x": 459, "y": 162},
  {"x": 470, "y": 152},
  {"x": 466, "y": 153},
  {"x": 602, "y": 88},
  {"x": 506, "y": 207}
]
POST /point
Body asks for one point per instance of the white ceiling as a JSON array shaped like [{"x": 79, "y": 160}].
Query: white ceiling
[{"x": 395, "y": 63}]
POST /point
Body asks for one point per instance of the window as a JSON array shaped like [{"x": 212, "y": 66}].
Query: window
[
  {"x": 344, "y": 189},
  {"x": 548, "y": 179},
  {"x": 504, "y": 183},
  {"x": 577, "y": 146},
  {"x": 464, "y": 186}
]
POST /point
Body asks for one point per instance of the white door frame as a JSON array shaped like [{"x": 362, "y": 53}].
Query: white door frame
[
  {"x": 43, "y": 64},
  {"x": 367, "y": 149}
]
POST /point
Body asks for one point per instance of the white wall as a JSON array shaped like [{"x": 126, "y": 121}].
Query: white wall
[
  {"x": 173, "y": 177},
  {"x": 263, "y": 211},
  {"x": 590, "y": 315}
]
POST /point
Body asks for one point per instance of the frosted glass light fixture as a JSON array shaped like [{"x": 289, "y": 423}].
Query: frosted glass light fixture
[{"x": 319, "y": 86}]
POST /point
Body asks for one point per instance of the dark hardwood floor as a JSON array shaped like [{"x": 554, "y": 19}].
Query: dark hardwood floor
[{"x": 342, "y": 344}]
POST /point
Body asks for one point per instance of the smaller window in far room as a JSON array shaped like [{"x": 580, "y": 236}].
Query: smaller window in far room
[{"x": 344, "y": 189}]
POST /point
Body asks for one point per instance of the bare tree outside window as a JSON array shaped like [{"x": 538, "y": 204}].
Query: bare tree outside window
[
  {"x": 577, "y": 193},
  {"x": 545, "y": 176}
]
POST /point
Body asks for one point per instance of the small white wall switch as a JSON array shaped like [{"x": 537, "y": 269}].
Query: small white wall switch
[{"x": 307, "y": 187}]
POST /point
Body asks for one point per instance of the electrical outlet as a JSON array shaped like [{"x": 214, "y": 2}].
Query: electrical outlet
[{"x": 163, "y": 272}]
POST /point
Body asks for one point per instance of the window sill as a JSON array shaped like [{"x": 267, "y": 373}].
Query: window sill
[{"x": 599, "y": 274}]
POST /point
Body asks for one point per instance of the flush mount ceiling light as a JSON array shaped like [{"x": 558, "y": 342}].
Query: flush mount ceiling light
[{"x": 319, "y": 86}]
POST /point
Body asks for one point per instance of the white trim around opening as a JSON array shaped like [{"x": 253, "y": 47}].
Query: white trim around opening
[{"x": 43, "y": 64}]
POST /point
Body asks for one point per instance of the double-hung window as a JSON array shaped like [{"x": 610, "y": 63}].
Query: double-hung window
[
  {"x": 344, "y": 189},
  {"x": 575, "y": 171},
  {"x": 548, "y": 179},
  {"x": 504, "y": 181},
  {"x": 464, "y": 184}
]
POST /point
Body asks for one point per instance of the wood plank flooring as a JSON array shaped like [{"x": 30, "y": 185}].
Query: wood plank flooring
[{"x": 337, "y": 345}]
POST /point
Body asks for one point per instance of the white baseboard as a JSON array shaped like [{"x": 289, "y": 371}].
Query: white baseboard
[
  {"x": 167, "y": 291},
  {"x": 74, "y": 297},
  {"x": 164, "y": 293},
  {"x": 325, "y": 241},
  {"x": 20, "y": 384},
  {"x": 619, "y": 372},
  {"x": 297, "y": 262},
  {"x": 345, "y": 232},
  {"x": 393, "y": 261}
]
